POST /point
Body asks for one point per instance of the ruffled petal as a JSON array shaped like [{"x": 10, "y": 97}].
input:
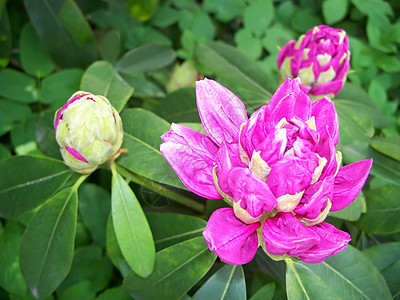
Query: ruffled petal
[
  {"x": 348, "y": 183},
  {"x": 284, "y": 234},
  {"x": 233, "y": 241},
  {"x": 289, "y": 101},
  {"x": 221, "y": 111},
  {"x": 329, "y": 88},
  {"x": 332, "y": 241},
  {"x": 326, "y": 118},
  {"x": 191, "y": 155},
  {"x": 254, "y": 193}
]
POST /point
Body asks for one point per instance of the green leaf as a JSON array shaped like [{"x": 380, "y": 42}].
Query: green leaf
[
  {"x": 10, "y": 273},
  {"x": 277, "y": 35},
  {"x": 179, "y": 106},
  {"x": 346, "y": 274},
  {"x": 383, "y": 166},
  {"x": 143, "y": 86},
  {"x": 48, "y": 243},
  {"x": 4, "y": 152},
  {"x": 383, "y": 209},
  {"x": 388, "y": 146},
  {"x": 225, "y": 10},
  {"x": 5, "y": 33},
  {"x": 17, "y": 86},
  {"x": 198, "y": 23},
  {"x": 142, "y": 9},
  {"x": 110, "y": 45},
  {"x": 169, "y": 229},
  {"x": 303, "y": 20},
  {"x": 351, "y": 212},
  {"x": 115, "y": 293},
  {"x": 242, "y": 75},
  {"x": 34, "y": 57},
  {"x": 45, "y": 135},
  {"x": 91, "y": 265},
  {"x": 388, "y": 63},
  {"x": 177, "y": 269},
  {"x": 59, "y": 87},
  {"x": 164, "y": 16},
  {"x": 258, "y": 15},
  {"x": 23, "y": 136},
  {"x": 265, "y": 293},
  {"x": 142, "y": 35},
  {"x": 101, "y": 79},
  {"x": 113, "y": 249},
  {"x": 146, "y": 58},
  {"x": 10, "y": 112},
  {"x": 95, "y": 207},
  {"x": 131, "y": 228},
  {"x": 26, "y": 182},
  {"x": 248, "y": 44},
  {"x": 142, "y": 138},
  {"x": 227, "y": 283},
  {"x": 64, "y": 31},
  {"x": 81, "y": 290},
  {"x": 334, "y": 10}
]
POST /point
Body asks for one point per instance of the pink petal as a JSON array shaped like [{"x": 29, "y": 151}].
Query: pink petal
[
  {"x": 286, "y": 51},
  {"x": 327, "y": 149},
  {"x": 332, "y": 241},
  {"x": 191, "y": 155},
  {"x": 221, "y": 112},
  {"x": 326, "y": 118},
  {"x": 315, "y": 198},
  {"x": 289, "y": 101},
  {"x": 255, "y": 194},
  {"x": 233, "y": 241},
  {"x": 76, "y": 154},
  {"x": 332, "y": 87},
  {"x": 348, "y": 183},
  {"x": 61, "y": 111},
  {"x": 284, "y": 234}
]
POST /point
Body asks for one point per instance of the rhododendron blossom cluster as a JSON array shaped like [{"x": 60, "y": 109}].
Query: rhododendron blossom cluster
[{"x": 279, "y": 169}]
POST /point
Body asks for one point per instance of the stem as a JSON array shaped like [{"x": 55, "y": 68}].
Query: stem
[
  {"x": 79, "y": 181},
  {"x": 158, "y": 188}
]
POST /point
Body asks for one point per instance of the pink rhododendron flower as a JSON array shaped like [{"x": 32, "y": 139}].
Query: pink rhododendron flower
[
  {"x": 279, "y": 170},
  {"x": 320, "y": 58}
]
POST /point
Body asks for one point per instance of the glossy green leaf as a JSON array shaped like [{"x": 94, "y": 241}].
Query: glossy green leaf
[
  {"x": 177, "y": 269},
  {"x": 265, "y": 293},
  {"x": 23, "y": 136},
  {"x": 110, "y": 45},
  {"x": 225, "y": 10},
  {"x": 91, "y": 265},
  {"x": 348, "y": 274},
  {"x": 334, "y": 10},
  {"x": 164, "y": 16},
  {"x": 17, "y": 86},
  {"x": 383, "y": 210},
  {"x": 10, "y": 112},
  {"x": 34, "y": 57},
  {"x": 227, "y": 283},
  {"x": 113, "y": 249},
  {"x": 48, "y": 243},
  {"x": 258, "y": 15},
  {"x": 143, "y": 87},
  {"x": 142, "y": 35},
  {"x": 5, "y": 33},
  {"x": 388, "y": 146},
  {"x": 45, "y": 135},
  {"x": 198, "y": 23},
  {"x": 64, "y": 31},
  {"x": 131, "y": 228},
  {"x": 169, "y": 229},
  {"x": 351, "y": 212},
  {"x": 246, "y": 79},
  {"x": 146, "y": 58},
  {"x": 81, "y": 290},
  {"x": 115, "y": 293},
  {"x": 95, "y": 207},
  {"x": 383, "y": 166},
  {"x": 179, "y": 106},
  {"x": 142, "y": 138},
  {"x": 4, "y": 152},
  {"x": 142, "y": 9},
  {"x": 10, "y": 273},
  {"x": 101, "y": 79},
  {"x": 59, "y": 87},
  {"x": 248, "y": 44},
  {"x": 28, "y": 181}
]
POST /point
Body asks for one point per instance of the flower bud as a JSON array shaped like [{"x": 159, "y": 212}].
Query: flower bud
[
  {"x": 320, "y": 58},
  {"x": 88, "y": 131}
]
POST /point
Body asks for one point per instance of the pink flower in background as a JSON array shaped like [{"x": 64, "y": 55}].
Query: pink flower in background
[
  {"x": 320, "y": 58},
  {"x": 279, "y": 169}
]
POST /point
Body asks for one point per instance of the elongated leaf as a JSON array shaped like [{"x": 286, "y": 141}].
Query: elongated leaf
[
  {"x": 241, "y": 74},
  {"x": 265, "y": 293},
  {"x": 227, "y": 283},
  {"x": 47, "y": 246},
  {"x": 64, "y": 31},
  {"x": 10, "y": 273},
  {"x": 177, "y": 269},
  {"x": 101, "y": 79},
  {"x": 346, "y": 275},
  {"x": 142, "y": 138},
  {"x": 5, "y": 33},
  {"x": 131, "y": 228},
  {"x": 17, "y": 86},
  {"x": 388, "y": 146},
  {"x": 81, "y": 290},
  {"x": 383, "y": 210},
  {"x": 169, "y": 229},
  {"x": 351, "y": 212},
  {"x": 11, "y": 111},
  {"x": 115, "y": 293},
  {"x": 146, "y": 58},
  {"x": 27, "y": 181},
  {"x": 45, "y": 135},
  {"x": 383, "y": 166}
]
